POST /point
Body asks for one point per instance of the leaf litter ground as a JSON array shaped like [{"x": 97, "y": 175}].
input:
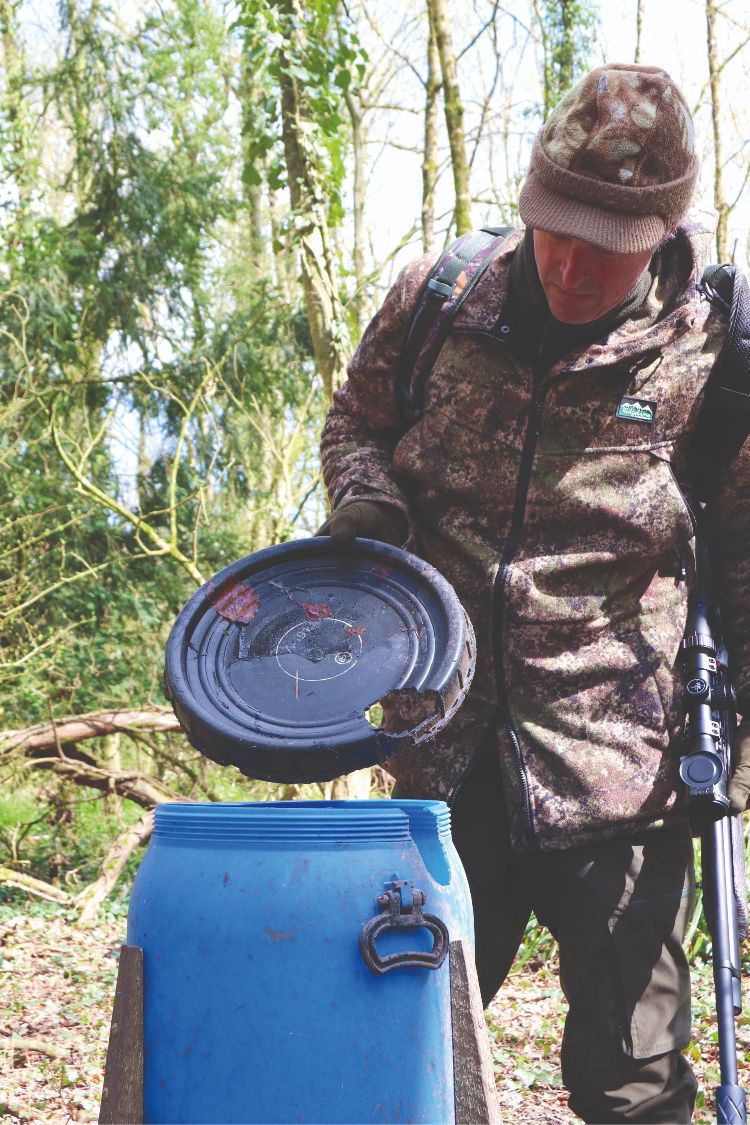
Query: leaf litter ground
[{"x": 57, "y": 984}]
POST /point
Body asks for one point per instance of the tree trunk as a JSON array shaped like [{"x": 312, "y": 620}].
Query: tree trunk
[
  {"x": 257, "y": 243},
  {"x": 359, "y": 157},
  {"x": 454, "y": 112},
  {"x": 265, "y": 486},
  {"x": 547, "y": 75},
  {"x": 352, "y": 787},
  {"x": 144, "y": 462},
  {"x": 720, "y": 202},
  {"x": 325, "y": 313},
  {"x": 565, "y": 29},
  {"x": 19, "y": 126},
  {"x": 252, "y": 175},
  {"x": 79, "y": 26},
  {"x": 284, "y": 257},
  {"x": 112, "y": 760},
  {"x": 431, "y": 156},
  {"x": 638, "y": 30}
]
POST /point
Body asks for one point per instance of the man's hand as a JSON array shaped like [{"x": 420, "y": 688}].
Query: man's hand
[
  {"x": 739, "y": 786},
  {"x": 368, "y": 519}
]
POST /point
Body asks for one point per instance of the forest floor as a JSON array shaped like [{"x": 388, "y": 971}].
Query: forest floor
[{"x": 56, "y": 989}]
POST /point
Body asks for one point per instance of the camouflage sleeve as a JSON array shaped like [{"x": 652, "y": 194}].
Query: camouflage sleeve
[
  {"x": 365, "y": 420},
  {"x": 731, "y": 539}
]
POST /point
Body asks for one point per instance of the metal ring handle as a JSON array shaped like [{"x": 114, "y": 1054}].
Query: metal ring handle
[{"x": 395, "y": 917}]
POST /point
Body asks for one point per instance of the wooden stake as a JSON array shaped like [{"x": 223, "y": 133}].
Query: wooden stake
[
  {"x": 122, "y": 1096},
  {"x": 473, "y": 1078}
]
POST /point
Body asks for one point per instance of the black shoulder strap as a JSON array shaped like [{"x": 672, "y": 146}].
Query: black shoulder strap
[
  {"x": 724, "y": 422},
  {"x": 451, "y": 281}
]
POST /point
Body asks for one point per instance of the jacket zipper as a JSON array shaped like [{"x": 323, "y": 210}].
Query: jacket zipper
[
  {"x": 533, "y": 432},
  {"x": 490, "y": 334},
  {"x": 532, "y": 435},
  {"x": 691, "y": 514},
  {"x": 681, "y": 557}
]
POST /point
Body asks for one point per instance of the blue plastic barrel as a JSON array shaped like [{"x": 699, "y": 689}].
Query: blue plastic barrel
[{"x": 259, "y": 1005}]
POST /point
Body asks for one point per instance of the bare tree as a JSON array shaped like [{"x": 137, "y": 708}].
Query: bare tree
[
  {"x": 431, "y": 156},
  {"x": 319, "y": 275},
  {"x": 18, "y": 116},
  {"x": 566, "y": 29},
  {"x": 253, "y": 176},
  {"x": 714, "y": 70},
  {"x": 439, "y": 18},
  {"x": 359, "y": 193}
]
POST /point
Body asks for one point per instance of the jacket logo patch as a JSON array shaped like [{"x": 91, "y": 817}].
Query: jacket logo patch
[{"x": 636, "y": 410}]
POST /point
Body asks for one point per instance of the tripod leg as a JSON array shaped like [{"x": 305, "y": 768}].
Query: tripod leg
[{"x": 722, "y": 922}]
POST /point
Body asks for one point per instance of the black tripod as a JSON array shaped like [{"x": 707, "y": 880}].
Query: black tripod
[{"x": 704, "y": 768}]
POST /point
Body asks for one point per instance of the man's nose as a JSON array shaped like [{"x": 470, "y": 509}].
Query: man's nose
[{"x": 573, "y": 266}]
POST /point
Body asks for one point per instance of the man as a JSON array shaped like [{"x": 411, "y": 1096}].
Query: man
[{"x": 548, "y": 478}]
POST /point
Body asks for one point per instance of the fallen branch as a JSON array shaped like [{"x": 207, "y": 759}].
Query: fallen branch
[
  {"x": 59, "y": 736},
  {"x": 94, "y": 724},
  {"x": 91, "y": 897},
  {"x": 139, "y": 787},
  {"x": 37, "y": 1045},
  {"x": 175, "y": 762},
  {"x": 34, "y": 886}
]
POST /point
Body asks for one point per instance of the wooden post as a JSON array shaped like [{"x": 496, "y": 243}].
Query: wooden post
[
  {"x": 122, "y": 1096},
  {"x": 473, "y": 1078}
]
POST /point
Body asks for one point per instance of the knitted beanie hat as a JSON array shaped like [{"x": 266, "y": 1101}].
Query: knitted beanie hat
[{"x": 615, "y": 163}]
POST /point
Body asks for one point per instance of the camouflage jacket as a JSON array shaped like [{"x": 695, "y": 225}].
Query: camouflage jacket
[{"x": 566, "y": 531}]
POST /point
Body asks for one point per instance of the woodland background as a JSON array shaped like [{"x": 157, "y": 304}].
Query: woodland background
[
  {"x": 202, "y": 202},
  {"x": 201, "y": 205}
]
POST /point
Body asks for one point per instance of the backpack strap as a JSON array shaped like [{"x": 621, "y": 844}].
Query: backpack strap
[
  {"x": 457, "y": 271},
  {"x": 724, "y": 422}
]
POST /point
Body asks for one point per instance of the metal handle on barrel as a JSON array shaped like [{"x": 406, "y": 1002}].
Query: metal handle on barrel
[{"x": 396, "y": 915}]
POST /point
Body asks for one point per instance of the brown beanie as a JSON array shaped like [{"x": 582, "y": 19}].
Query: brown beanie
[{"x": 615, "y": 163}]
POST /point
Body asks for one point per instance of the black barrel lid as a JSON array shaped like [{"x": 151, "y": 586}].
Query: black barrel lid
[{"x": 273, "y": 664}]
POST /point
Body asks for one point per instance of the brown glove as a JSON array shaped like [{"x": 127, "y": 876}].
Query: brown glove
[
  {"x": 739, "y": 786},
  {"x": 366, "y": 518}
]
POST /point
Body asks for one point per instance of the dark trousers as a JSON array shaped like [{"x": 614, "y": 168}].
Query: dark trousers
[{"x": 619, "y": 911}]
